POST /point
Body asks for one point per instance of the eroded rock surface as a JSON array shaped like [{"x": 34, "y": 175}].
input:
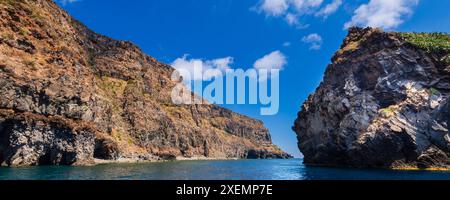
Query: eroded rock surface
[
  {"x": 69, "y": 95},
  {"x": 384, "y": 103}
]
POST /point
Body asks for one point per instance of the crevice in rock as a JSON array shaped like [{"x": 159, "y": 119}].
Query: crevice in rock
[
  {"x": 45, "y": 159},
  {"x": 106, "y": 150}
]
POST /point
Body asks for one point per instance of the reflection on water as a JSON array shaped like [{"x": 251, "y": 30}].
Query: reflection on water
[{"x": 212, "y": 170}]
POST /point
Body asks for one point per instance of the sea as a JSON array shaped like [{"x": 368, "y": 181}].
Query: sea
[{"x": 292, "y": 169}]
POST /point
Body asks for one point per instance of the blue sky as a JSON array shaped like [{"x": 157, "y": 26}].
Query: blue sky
[{"x": 303, "y": 33}]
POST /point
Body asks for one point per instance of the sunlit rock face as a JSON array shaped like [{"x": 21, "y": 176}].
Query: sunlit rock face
[
  {"x": 69, "y": 95},
  {"x": 383, "y": 103}
]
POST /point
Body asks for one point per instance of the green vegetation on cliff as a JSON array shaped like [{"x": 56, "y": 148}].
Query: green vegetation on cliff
[
  {"x": 431, "y": 42},
  {"x": 438, "y": 43}
]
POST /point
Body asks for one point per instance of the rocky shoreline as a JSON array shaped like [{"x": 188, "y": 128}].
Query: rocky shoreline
[
  {"x": 383, "y": 103},
  {"x": 70, "y": 96}
]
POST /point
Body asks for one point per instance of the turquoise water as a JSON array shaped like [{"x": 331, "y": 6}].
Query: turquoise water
[{"x": 212, "y": 170}]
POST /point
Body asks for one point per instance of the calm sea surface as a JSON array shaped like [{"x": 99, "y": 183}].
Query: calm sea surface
[{"x": 212, "y": 170}]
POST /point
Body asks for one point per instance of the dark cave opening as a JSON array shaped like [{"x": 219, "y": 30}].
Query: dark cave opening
[
  {"x": 105, "y": 150},
  {"x": 45, "y": 159}
]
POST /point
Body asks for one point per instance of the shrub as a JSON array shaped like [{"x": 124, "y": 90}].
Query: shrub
[{"x": 430, "y": 42}]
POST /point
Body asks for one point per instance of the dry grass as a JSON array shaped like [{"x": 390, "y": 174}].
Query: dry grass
[
  {"x": 31, "y": 64},
  {"x": 112, "y": 86}
]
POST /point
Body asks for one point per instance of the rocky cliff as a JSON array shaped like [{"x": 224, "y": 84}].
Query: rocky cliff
[
  {"x": 383, "y": 103},
  {"x": 69, "y": 95}
]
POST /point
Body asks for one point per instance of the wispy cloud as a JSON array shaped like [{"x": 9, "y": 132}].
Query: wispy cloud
[
  {"x": 306, "y": 6},
  {"x": 329, "y": 9},
  {"x": 293, "y": 10},
  {"x": 197, "y": 70},
  {"x": 273, "y": 7},
  {"x": 274, "y": 60},
  {"x": 198, "y": 67},
  {"x": 385, "y": 14},
  {"x": 314, "y": 40}
]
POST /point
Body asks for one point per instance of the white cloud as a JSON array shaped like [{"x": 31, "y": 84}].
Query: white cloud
[
  {"x": 314, "y": 40},
  {"x": 329, "y": 9},
  {"x": 293, "y": 10},
  {"x": 65, "y": 2},
  {"x": 291, "y": 19},
  {"x": 385, "y": 14},
  {"x": 305, "y": 6},
  {"x": 286, "y": 44},
  {"x": 197, "y": 68},
  {"x": 274, "y": 60},
  {"x": 221, "y": 63},
  {"x": 274, "y": 7}
]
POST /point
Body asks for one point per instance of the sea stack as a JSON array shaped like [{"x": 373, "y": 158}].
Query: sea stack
[
  {"x": 69, "y": 96},
  {"x": 383, "y": 103}
]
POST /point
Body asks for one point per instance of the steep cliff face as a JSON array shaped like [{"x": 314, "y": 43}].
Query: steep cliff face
[
  {"x": 384, "y": 102},
  {"x": 69, "y": 95}
]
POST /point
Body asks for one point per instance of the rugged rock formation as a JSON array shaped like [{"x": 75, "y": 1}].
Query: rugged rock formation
[
  {"x": 383, "y": 103},
  {"x": 69, "y": 95}
]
